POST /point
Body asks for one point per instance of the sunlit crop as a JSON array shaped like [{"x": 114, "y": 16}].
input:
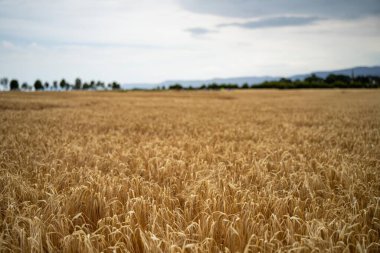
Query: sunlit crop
[{"x": 227, "y": 171}]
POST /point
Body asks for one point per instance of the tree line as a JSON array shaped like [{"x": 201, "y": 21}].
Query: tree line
[
  {"x": 61, "y": 85},
  {"x": 311, "y": 82}
]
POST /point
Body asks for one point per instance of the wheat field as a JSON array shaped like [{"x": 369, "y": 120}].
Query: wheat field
[{"x": 227, "y": 171}]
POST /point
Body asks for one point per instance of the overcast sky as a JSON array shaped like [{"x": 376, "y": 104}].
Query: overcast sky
[{"x": 151, "y": 41}]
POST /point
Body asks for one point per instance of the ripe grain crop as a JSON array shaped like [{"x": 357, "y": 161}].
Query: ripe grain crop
[{"x": 227, "y": 171}]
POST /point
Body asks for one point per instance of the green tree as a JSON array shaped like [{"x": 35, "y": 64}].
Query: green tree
[
  {"x": 24, "y": 86},
  {"x": 100, "y": 84},
  {"x": 86, "y": 86},
  {"x": 38, "y": 85},
  {"x": 332, "y": 78},
  {"x": 78, "y": 84},
  {"x": 4, "y": 82},
  {"x": 63, "y": 84},
  {"x": 115, "y": 86},
  {"x": 285, "y": 80},
  {"x": 313, "y": 78},
  {"x": 14, "y": 85},
  {"x": 213, "y": 86},
  {"x": 176, "y": 86}
]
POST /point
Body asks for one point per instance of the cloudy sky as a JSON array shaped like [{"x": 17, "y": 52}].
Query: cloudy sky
[{"x": 151, "y": 41}]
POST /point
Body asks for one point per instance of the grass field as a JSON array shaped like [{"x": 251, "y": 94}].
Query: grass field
[{"x": 229, "y": 171}]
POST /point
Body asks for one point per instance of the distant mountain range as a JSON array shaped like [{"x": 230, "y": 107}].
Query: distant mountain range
[{"x": 357, "y": 71}]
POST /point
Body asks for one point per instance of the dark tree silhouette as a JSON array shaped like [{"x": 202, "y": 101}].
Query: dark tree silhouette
[
  {"x": 115, "y": 86},
  {"x": 63, "y": 84},
  {"x": 313, "y": 78},
  {"x": 176, "y": 86},
  {"x": 86, "y": 86},
  {"x": 14, "y": 85},
  {"x": 100, "y": 84},
  {"x": 337, "y": 78},
  {"x": 285, "y": 80},
  {"x": 78, "y": 84},
  {"x": 38, "y": 85},
  {"x": 4, "y": 82}
]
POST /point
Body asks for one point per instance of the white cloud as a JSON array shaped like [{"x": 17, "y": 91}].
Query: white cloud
[
  {"x": 148, "y": 41},
  {"x": 7, "y": 45}
]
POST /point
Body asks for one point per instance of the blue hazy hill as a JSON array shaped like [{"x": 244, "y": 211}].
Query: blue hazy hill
[{"x": 357, "y": 71}]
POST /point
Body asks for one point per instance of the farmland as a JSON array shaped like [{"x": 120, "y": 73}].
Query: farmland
[{"x": 190, "y": 171}]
